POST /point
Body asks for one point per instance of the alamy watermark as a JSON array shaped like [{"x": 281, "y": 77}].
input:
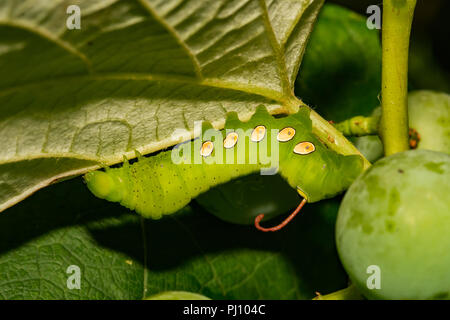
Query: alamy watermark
[
  {"x": 74, "y": 278},
  {"x": 264, "y": 152},
  {"x": 74, "y": 19},
  {"x": 374, "y": 20},
  {"x": 374, "y": 280}
]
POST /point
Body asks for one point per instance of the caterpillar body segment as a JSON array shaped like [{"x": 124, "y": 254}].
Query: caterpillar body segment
[{"x": 159, "y": 185}]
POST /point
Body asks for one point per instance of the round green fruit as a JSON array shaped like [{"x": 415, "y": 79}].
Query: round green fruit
[
  {"x": 393, "y": 226},
  {"x": 177, "y": 295},
  {"x": 370, "y": 146},
  {"x": 241, "y": 200},
  {"x": 429, "y": 115}
]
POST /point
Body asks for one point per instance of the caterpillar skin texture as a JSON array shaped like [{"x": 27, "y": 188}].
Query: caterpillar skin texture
[{"x": 155, "y": 186}]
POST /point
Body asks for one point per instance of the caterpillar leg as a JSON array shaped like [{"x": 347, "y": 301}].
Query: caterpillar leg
[
  {"x": 139, "y": 155},
  {"x": 281, "y": 225}
]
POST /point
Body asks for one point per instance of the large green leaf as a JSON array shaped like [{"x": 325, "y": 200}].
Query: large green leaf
[
  {"x": 190, "y": 251},
  {"x": 124, "y": 257},
  {"x": 71, "y": 100}
]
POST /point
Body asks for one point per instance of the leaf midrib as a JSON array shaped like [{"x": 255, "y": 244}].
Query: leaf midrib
[
  {"x": 287, "y": 104},
  {"x": 278, "y": 50},
  {"x": 208, "y": 82}
]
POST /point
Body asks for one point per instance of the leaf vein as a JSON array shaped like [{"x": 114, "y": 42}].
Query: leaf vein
[
  {"x": 44, "y": 34},
  {"x": 279, "y": 52},
  {"x": 174, "y": 34}
]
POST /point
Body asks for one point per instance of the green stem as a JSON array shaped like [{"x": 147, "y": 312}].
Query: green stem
[
  {"x": 349, "y": 293},
  {"x": 397, "y": 20},
  {"x": 333, "y": 138},
  {"x": 359, "y": 126}
]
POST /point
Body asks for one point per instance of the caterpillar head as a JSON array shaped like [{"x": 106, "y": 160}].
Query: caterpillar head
[
  {"x": 104, "y": 185},
  {"x": 316, "y": 171}
]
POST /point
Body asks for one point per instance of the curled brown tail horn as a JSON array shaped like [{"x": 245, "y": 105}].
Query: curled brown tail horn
[{"x": 281, "y": 225}]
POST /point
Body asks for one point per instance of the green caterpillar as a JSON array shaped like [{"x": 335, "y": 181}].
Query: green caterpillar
[{"x": 162, "y": 184}]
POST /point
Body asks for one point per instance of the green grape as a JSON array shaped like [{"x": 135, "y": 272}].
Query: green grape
[
  {"x": 240, "y": 201},
  {"x": 396, "y": 216},
  {"x": 177, "y": 295},
  {"x": 429, "y": 115},
  {"x": 370, "y": 146}
]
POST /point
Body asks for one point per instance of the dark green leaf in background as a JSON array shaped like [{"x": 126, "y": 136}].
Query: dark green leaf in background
[
  {"x": 340, "y": 74},
  {"x": 193, "y": 251},
  {"x": 341, "y": 71}
]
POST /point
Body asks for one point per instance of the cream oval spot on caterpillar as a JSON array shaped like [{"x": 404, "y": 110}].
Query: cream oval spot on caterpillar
[
  {"x": 230, "y": 140},
  {"x": 286, "y": 134},
  {"x": 304, "y": 147},
  {"x": 258, "y": 133},
  {"x": 207, "y": 148}
]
